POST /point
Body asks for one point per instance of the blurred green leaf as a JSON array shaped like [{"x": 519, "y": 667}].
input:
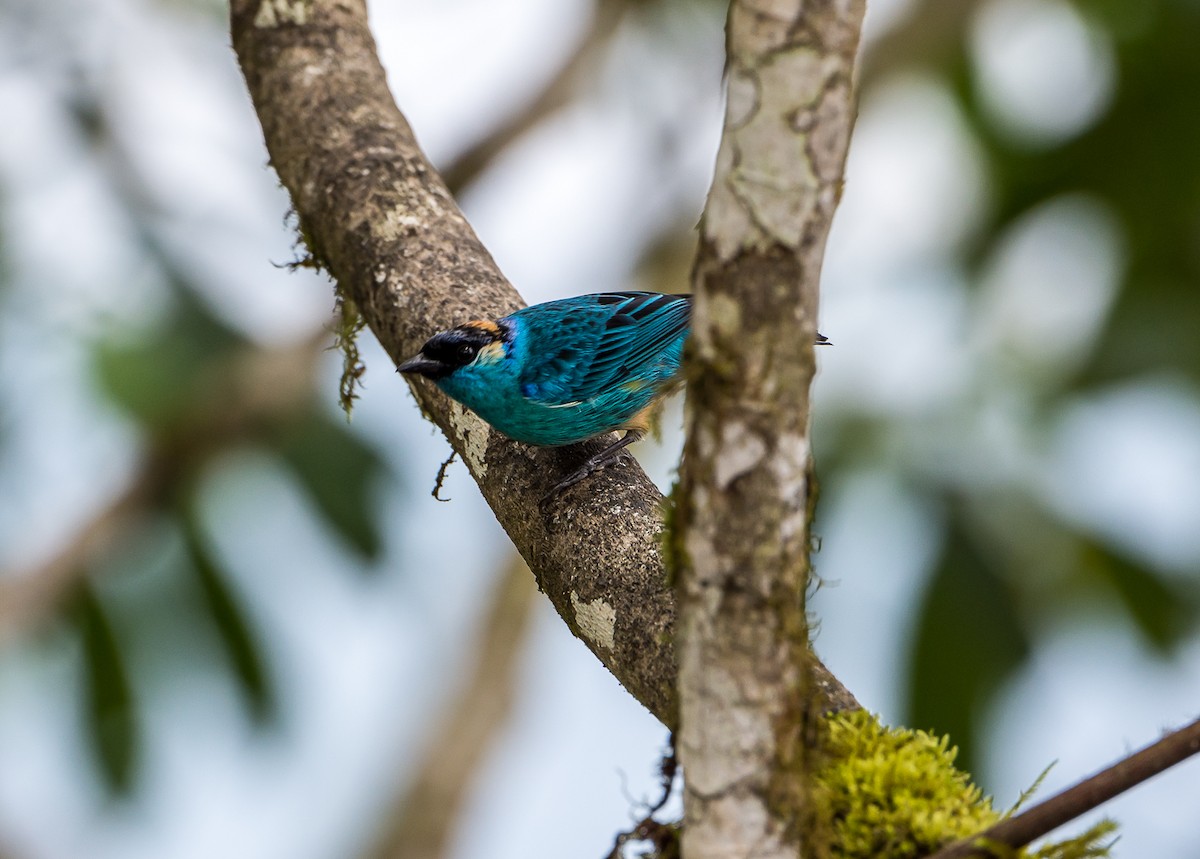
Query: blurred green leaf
[
  {"x": 110, "y": 708},
  {"x": 337, "y": 469},
  {"x": 156, "y": 377},
  {"x": 238, "y": 638},
  {"x": 1162, "y": 613},
  {"x": 968, "y": 640},
  {"x": 1140, "y": 159}
]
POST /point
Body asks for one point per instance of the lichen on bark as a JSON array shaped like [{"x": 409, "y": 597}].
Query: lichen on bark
[
  {"x": 744, "y": 502},
  {"x": 376, "y": 214}
]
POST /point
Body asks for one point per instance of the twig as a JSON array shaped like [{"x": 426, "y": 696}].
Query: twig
[
  {"x": 441, "y": 476},
  {"x": 374, "y": 210},
  {"x": 647, "y": 828},
  {"x": 1083, "y": 797}
]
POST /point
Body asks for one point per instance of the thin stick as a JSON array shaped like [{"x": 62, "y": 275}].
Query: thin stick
[{"x": 1083, "y": 797}]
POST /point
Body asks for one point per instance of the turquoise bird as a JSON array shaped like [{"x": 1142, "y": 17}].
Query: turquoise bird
[{"x": 567, "y": 370}]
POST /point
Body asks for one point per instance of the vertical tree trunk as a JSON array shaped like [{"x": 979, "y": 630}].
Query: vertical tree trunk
[{"x": 745, "y": 491}]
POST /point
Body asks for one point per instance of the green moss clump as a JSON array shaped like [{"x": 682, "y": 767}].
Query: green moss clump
[
  {"x": 670, "y": 538},
  {"x": 895, "y": 793},
  {"x": 1094, "y": 843},
  {"x": 348, "y": 322}
]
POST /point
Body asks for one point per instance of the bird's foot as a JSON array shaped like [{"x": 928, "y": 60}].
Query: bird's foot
[{"x": 606, "y": 457}]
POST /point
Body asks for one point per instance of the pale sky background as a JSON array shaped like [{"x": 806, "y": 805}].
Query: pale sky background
[{"x": 365, "y": 662}]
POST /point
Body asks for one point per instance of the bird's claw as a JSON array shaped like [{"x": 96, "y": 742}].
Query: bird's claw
[
  {"x": 596, "y": 463},
  {"x": 567, "y": 482},
  {"x": 610, "y": 454}
]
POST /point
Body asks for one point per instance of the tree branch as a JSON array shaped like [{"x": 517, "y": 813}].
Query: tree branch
[
  {"x": 745, "y": 681},
  {"x": 29, "y": 597},
  {"x": 376, "y": 214},
  {"x": 1078, "y": 800},
  {"x": 426, "y": 813},
  {"x": 929, "y": 35},
  {"x": 554, "y": 96},
  {"x": 250, "y": 390}
]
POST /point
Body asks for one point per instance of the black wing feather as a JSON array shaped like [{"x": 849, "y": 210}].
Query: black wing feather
[{"x": 585, "y": 345}]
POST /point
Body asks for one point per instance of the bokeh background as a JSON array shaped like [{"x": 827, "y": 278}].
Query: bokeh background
[{"x": 234, "y": 623}]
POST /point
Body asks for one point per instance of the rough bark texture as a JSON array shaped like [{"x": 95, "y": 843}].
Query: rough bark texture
[
  {"x": 376, "y": 214},
  {"x": 745, "y": 678},
  {"x": 373, "y": 210}
]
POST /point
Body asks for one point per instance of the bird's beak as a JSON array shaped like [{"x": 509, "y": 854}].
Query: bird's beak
[{"x": 421, "y": 365}]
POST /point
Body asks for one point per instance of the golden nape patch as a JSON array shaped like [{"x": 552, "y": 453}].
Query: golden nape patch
[
  {"x": 491, "y": 352},
  {"x": 484, "y": 325}
]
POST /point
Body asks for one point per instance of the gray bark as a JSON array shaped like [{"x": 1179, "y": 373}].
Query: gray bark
[
  {"x": 745, "y": 681},
  {"x": 375, "y": 213}
]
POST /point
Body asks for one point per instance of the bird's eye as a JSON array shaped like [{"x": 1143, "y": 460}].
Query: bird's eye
[{"x": 466, "y": 352}]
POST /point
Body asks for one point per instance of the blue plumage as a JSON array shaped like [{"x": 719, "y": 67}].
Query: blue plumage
[
  {"x": 567, "y": 370},
  {"x": 563, "y": 371}
]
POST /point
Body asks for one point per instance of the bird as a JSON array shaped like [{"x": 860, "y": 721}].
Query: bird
[{"x": 567, "y": 370}]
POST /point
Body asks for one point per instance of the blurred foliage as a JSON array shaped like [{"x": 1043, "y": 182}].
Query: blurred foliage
[
  {"x": 1140, "y": 159},
  {"x": 336, "y": 469},
  {"x": 1000, "y": 580},
  {"x": 1004, "y": 570},
  {"x": 160, "y": 605},
  {"x": 108, "y": 695},
  {"x": 238, "y": 638},
  {"x": 969, "y": 636},
  {"x": 215, "y": 10},
  {"x": 901, "y": 794},
  {"x": 194, "y": 389},
  {"x": 1163, "y": 611},
  {"x": 191, "y": 384},
  {"x": 155, "y": 376}
]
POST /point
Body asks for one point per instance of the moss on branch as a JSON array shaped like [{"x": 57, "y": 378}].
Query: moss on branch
[{"x": 895, "y": 793}]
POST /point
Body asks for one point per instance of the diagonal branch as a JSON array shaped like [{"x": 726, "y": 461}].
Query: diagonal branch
[
  {"x": 422, "y": 823},
  {"x": 376, "y": 214},
  {"x": 1083, "y": 797},
  {"x": 29, "y": 598},
  {"x": 252, "y": 389},
  {"x": 554, "y": 96}
]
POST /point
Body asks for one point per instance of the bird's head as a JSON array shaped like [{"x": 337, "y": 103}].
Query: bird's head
[{"x": 467, "y": 345}]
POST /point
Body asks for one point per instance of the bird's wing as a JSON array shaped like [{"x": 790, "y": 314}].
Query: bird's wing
[
  {"x": 581, "y": 347},
  {"x": 641, "y": 327}
]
